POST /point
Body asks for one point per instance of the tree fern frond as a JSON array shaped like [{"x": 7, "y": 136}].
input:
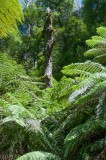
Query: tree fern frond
[
  {"x": 21, "y": 116},
  {"x": 84, "y": 69},
  {"x": 88, "y": 150},
  {"x": 93, "y": 42},
  {"x": 99, "y": 46},
  {"x": 39, "y": 156},
  {"x": 97, "y": 38},
  {"x": 93, "y": 82},
  {"x": 10, "y": 13},
  {"x": 64, "y": 87},
  {"x": 102, "y": 31},
  {"x": 101, "y": 106},
  {"x": 78, "y": 92},
  {"x": 80, "y": 134},
  {"x": 88, "y": 80},
  {"x": 74, "y": 116},
  {"x": 95, "y": 91},
  {"x": 95, "y": 52},
  {"x": 100, "y": 59}
]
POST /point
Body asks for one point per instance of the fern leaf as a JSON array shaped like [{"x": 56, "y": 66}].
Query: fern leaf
[
  {"x": 10, "y": 13},
  {"x": 87, "y": 84},
  {"x": 99, "y": 46},
  {"x": 38, "y": 156},
  {"x": 87, "y": 150},
  {"x": 97, "y": 90},
  {"x": 84, "y": 69},
  {"x": 79, "y": 134},
  {"x": 101, "y": 59},
  {"x": 95, "y": 52},
  {"x": 102, "y": 32},
  {"x": 93, "y": 42},
  {"x": 21, "y": 116}
]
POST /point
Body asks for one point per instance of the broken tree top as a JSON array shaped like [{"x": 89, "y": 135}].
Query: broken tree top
[{"x": 48, "y": 10}]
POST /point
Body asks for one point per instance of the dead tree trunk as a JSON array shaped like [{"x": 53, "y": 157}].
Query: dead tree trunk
[{"x": 48, "y": 38}]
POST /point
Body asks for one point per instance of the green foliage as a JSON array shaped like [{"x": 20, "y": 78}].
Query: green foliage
[
  {"x": 67, "y": 120},
  {"x": 98, "y": 44},
  {"x": 38, "y": 155},
  {"x": 86, "y": 80},
  {"x": 20, "y": 115},
  {"x": 22, "y": 107},
  {"x": 10, "y": 13},
  {"x": 85, "y": 85},
  {"x": 17, "y": 88},
  {"x": 79, "y": 135},
  {"x": 94, "y": 14},
  {"x": 82, "y": 69},
  {"x": 59, "y": 7},
  {"x": 8, "y": 79},
  {"x": 68, "y": 47},
  {"x": 70, "y": 43}
]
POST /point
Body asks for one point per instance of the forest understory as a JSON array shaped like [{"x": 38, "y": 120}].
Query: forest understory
[{"x": 53, "y": 80}]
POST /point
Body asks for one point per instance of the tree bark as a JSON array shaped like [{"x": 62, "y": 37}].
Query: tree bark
[{"x": 48, "y": 38}]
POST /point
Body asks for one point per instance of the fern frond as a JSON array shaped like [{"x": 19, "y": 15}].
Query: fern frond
[
  {"x": 82, "y": 69},
  {"x": 64, "y": 87},
  {"x": 93, "y": 42},
  {"x": 102, "y": 31},
  {"x": 88, "y": 150},
  {"x": 10, "y": 13},
  {"x": 38, "y": 156},
  {"x": 97, "y": 90},
  {"x": 100, "y": 59},
  {"x": 101, "y": 106},
  {"x": 95, "y": 82},
  {"x": 80, "y": 134},
  {"x": 21, "y": 116},
  {"x": 87, "y": 81},
  {"x": 98, "y": 44},
  {"x": 95, "y": 52}
]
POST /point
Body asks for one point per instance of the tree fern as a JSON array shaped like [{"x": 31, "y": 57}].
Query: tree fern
[
  {"x": 87, "y": 80},
  {"x": 79, "y": 74},
  {"x": 90, "y": 85}
]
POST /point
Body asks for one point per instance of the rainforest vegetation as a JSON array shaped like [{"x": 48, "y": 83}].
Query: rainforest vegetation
[{"x": 53, "y": 80}]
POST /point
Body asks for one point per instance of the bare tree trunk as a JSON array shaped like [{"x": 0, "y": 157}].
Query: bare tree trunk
[{"x": 48, "y": 37}]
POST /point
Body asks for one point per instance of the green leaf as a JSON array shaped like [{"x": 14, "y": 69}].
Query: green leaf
[{"x": 38, "y": 156}]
